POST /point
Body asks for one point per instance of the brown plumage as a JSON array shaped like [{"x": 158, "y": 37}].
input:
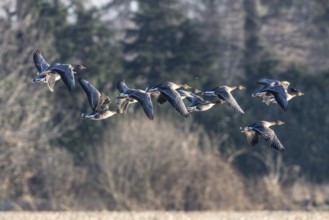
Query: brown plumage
[
  {"x": 262, "y": 128},
  {"x": 98, "y": 102}
]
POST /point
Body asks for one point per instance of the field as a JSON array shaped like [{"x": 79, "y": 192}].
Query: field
[{"x": 258, "y": 215}]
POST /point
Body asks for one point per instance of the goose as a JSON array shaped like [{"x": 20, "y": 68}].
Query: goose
[
  {"x": 184, "y": 94},
  {"x": 51, "y": 73},
  {"x": 275, "y": 88},
  {"x": 98, "y": 102},
  {"x": 50, "y": 79},
  {"x": 291, "y": 93},
  {"x": 262, "y": 128},
  {"x": 129, "y": 95},
  {"x": 224, "y": 94},
  {"x": 168, "y": 92},
  {"x": 161, "y": 99},
  {"x": 122, "y": 87},
  {"x": 269, "y": 82},
  {"x": 197, "y": 102}
]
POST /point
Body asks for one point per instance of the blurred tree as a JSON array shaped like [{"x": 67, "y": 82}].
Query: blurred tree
[
  {"x": 27, "y": 122},
  {"x": 253, "y": 47},
  {"x": 87, "y": 40},
  {"x": 165, "y": 46},
  {"x": 308, "y": 119}
]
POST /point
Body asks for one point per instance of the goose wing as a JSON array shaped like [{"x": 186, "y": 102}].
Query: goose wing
[
  {"x": 93, "y": 94},
  {"x": 103, "y": 104},
  {"x": 40, "y": 63},
  {"x": 252, "y": 137},
  {"x": 122, "y": 87},
  {"x": 144, "y": 100},
  {"x": 191, "y": 99},
  {"x": 157, "y": 95},
  {"x": 175, "y": 100},
  {"x": 123, "y": 104},
  {"x": 161, "y": 99},
  {"x": 195, "y": 99},
  {"x": 51, "y": 79},
  {"x": 67, "y": 74},
  {"x": 270, "y": 137},
  {"x": 183, "y": 93},
  {"x": 230, "y": 100},
  {"x": 268, "y": 82},
  {"x": 280, "y": 96}
]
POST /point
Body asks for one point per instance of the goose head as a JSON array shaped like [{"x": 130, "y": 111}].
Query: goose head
[
  {"x": 278, "y": 122},
  {"x": 240, "y": 87},
  {"x": 79, "y": 67},
  {"x": 296, "y": 92}
]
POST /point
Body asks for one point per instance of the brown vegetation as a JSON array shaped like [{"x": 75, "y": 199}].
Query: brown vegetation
[
  {"x": 131, "y": 163},
  {"x": 158, "y": 215},
  {"x": 154, "y": 165}
]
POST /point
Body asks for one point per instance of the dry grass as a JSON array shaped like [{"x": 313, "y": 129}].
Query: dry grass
[
  {"x": 167, "y": 166},
  {"x": 261, "y": 215}
]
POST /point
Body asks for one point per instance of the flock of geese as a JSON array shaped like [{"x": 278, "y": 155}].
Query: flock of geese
[{"x": 271, "y": 92}]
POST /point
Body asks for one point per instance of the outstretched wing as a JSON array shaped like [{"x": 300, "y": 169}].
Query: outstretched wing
[
  {"x": 175, "y": 100},
  {"x": 230, "y": 100},
  {"x": 144, "y": 100},
  {"x": 93, "y": 94},
  {"x": 67, "y": 74},
  {"x": 122, "y": 87},
  {"x": 280, "y": 96},
  {"x": 39, "y": 61},
  {"x": 191, "y": 100},
  {"x": 197, "y": 99},
  {"x": 270, "y": 137},
  {"x": 268, "y": 82}
]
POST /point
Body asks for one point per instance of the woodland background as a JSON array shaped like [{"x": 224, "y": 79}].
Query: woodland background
[{"x": 51, "y": 159}]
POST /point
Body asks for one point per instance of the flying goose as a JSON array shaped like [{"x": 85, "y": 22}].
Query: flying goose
[
  {"x": 168, "y": 92},
  {"x": 262, "y": 128},
  {"x": 291, "y": 93},
  {"x": 51, "y": 73},
  {"x": 98, "y": 102},
  {"x": 275, "y": 88},
  {"x": 122, "y": 87},
  {"x": 129, "y": 95},
  {"x": 183, "y": 93},
  {"x": 197, "y": 102},
  {"x": 224, "y": 94}
]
